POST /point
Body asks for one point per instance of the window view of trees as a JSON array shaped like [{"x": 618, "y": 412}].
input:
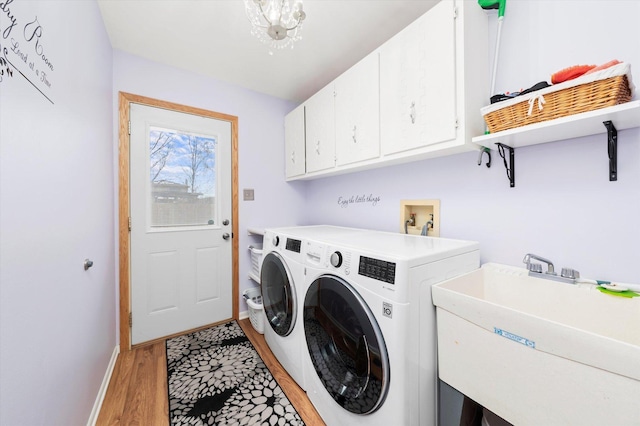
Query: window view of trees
[{"x": 183, "y": 178}]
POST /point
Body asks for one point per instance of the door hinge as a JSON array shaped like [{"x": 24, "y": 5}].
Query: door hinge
[
  {"x": 130, "y": 320},
  {"x": 129, "y": 223},
  {"x": 455, "y": 13},
  {"x": 129, "y": 128}
]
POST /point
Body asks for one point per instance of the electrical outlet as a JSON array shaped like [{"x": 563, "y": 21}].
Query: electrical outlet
[{"x": 247, "y": 194}]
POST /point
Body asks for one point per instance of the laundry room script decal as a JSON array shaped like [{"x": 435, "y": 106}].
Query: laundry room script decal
[
  {"x": 23, "y": 49},
  {"x": 356, "y": 199}
]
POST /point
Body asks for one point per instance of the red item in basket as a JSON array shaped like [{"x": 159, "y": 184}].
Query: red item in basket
[
  {"x": 570, "y": 73},
  {"x": 604, "y": 66}
]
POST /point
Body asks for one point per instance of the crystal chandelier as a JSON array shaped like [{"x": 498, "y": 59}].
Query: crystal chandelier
[{"x": 276, "y": 23}]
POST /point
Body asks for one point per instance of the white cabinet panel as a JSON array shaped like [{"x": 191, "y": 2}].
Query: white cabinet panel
[
  {"x": 294, "y": 139},
  {"x": 320, "y": 130},
  {"x": 357, "y": 112},
  {"x": 418, "y": 83}
]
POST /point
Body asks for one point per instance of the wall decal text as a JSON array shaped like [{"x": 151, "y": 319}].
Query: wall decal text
[
  {"x": 22, "y": 49},
  {"x": 356, "y": 199}
]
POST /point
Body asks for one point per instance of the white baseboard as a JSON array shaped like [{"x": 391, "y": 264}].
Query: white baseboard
[
  {"x": 243, "y": 315},
  {"x": 103, "y": 387}
]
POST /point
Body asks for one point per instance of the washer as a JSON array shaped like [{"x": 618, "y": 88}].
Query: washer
[
  {"x": 369, "y": 324},
  {"x": 281, "y": 284},
  {"x": 281, "y": 276}
]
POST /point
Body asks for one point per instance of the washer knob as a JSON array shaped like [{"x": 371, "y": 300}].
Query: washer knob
[
  {"x": 336, "y": 259},
  {"x": 276, "y": 240}
]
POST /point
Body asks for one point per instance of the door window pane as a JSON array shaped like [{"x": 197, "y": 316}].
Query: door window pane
[{"x": 182, "y": 169}]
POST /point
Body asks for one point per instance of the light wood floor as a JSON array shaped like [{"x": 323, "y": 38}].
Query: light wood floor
[{"x": 137, "y": 393}]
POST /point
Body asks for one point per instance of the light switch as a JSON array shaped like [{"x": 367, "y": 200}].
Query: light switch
[{"x": 247, "y": 194}]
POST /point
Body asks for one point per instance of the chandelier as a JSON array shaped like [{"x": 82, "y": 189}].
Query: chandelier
[{"x": 276, "y": 23}]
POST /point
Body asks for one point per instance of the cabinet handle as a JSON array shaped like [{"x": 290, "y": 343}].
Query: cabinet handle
[
  {"x": 293, "y": 157},
  {"x": 412, "y": 112},
  {"x": 318, "y": 147},
  {"x": 354, "y": 135}
]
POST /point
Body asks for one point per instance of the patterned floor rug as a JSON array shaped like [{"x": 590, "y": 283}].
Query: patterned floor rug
[{"x": 216, "y": 377}]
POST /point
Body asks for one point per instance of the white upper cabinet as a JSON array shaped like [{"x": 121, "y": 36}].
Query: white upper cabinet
[
  {"x": 294, "y": 141},
  {"x": 357, "y": 112},
  {"x": 320, "y": 130},
  {"x": 418, "y": 83},
  {"x": 417, "y": 96}
]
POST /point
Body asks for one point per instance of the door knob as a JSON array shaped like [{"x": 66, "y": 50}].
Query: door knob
[
  {"x": 225, "y": 222},
  {"x": 226, "y": 236}
]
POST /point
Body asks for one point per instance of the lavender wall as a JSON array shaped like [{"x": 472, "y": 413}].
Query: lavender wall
[
  {"x": 57, "y": 320},
  {"x": 563, "y": 206},
  {"x": 58, "y": 323},
  {"x": 260, "y": 140}
]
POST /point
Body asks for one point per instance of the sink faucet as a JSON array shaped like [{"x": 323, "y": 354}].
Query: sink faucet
[{"x": 568, "y": 275}]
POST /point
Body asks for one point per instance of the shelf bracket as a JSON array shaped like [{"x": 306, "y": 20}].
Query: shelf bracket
[
  {"x": 511, "y": 174},
  {"x": 612, "y": 149}
]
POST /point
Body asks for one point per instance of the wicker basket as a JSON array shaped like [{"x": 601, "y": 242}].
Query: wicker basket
[{"x": 559, "y": 101}]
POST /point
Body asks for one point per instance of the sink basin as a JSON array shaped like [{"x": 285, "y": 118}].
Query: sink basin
[{"x": 536, "y": 351}]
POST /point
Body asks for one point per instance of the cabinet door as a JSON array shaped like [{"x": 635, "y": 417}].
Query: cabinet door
[
  {"x": 294, "y": 143},
  {"x": 358, "y": 113},
  {"x": 320, "y": 130},
  {"x": 417, "y": 83}
]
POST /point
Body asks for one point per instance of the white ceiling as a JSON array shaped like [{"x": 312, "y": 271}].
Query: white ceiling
[{"x": 212, "y": 37}]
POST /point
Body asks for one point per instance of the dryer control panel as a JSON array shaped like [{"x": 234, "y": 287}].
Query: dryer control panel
[{"x": 293, "y": 245}]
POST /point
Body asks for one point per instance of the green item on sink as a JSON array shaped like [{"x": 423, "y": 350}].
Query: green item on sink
[{"x": 626, "y": 293}]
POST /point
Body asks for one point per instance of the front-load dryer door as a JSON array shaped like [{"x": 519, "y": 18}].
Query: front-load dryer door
[
  {"x": 278, "y": 294},
  {"x": 346, "y": 345}
]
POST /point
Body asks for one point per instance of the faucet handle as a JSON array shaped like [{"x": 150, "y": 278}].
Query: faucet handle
[
  {"x": 570, "y": 273},
  {"x": 535, "y": 267}
]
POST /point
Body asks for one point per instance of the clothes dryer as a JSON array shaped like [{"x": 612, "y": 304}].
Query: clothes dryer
[{"x": 369, "y": 324}]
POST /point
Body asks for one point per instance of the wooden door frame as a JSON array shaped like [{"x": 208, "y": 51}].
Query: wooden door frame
[{"x": 124, "y": 102}]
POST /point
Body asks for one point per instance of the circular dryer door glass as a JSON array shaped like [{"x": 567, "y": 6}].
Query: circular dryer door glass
[
  {"x": 278, "y": 295},
  {"x": 346, "y": 345}
]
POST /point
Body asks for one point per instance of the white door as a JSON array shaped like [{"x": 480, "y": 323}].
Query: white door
[{"x": 181, "y": 251}]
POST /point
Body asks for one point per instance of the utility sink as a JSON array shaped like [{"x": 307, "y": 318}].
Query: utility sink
[{"x": 536, "y": 351}]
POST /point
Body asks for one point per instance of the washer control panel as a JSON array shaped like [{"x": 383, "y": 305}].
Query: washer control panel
[{"x": 377, "y": 269}]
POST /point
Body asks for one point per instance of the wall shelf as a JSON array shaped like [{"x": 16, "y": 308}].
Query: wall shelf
[
  {"x": 255, "y": 231},
  {"x": 623, "y": 116},
  {"x": 602, "y": 121}
]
